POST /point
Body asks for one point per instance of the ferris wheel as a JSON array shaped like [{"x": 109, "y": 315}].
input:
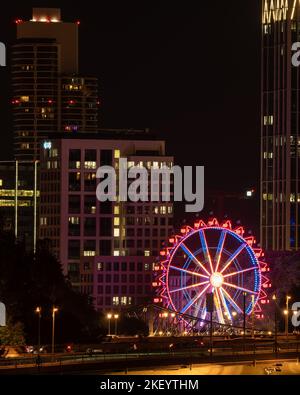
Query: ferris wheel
[{"x": 212, "y": 258}]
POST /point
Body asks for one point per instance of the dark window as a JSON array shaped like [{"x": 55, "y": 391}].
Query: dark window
[
  {"x": 105, "y": 248},
  {"x": 116, "y": 266},
  {"x": 124, "y": 266},
  {"x": 74, "y": 156},
  {"x": 132, "y": 266},
  {"x": 105, "y": 157},
  {"x": 89, "y": 245},
  {"x": 105, "y": 227},
  {"x": 140, "y": 266},
  {"x": 74, "y": 249},
  {"x": 90, "y": 182},
  {"x": 90, "y": 155},
  {"x": 74, "y": 204},
  {"x": 90, "y": 227},
  {"x": 74, "y": 181},
  {"x": 105, "y": 207}
]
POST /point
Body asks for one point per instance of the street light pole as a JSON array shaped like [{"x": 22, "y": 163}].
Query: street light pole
[
  {"x": 109, "y": 317},
  {"x": 116, "y": 317},
  {"x": 54, "y": 311},
  {"x": 38, "y": 310},
  {"x": 244, "y": 314},
  {"x": 275, "y": 322},
  {"x": 287, "y": 317}
]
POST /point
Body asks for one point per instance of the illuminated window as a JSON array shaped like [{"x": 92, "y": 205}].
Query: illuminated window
[
  {"x": 130, "y": 164},
  {"x": 292, "y": 198},
  {"x": 43, "y": 221},
  {"x": 117, "y": 154},
  {"x": 100, "y": 266},
  {"x": 163, "y": 210},
  {"x": 116, "y": 221},
  {"x": 24, "y": 146},
  {"x": 116, "y": 232},
  {"x": 156, "y": 210},
  {"x": 268, "y": 120},
  {"x": 170, "y": 210},
  {"x": 74, "y": 220},
  {"x": 123, "y": 300},
  {"x": 116, "y": 253},
  {"x": 116, "y": 300},
  {"x": 1, "y": 183},
  {"x": 24, "y": 99},
  {"x": 90, "y": 165},
  {"x": 117, "y": 210},
  {"x": 89, "y": 253},
  {"x": 155, "y": 165},
  {"x": 147, "y": 253}
]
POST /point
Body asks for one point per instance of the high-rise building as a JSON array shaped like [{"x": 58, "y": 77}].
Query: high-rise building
[
  {"x": 49, "y": 94},
  {"x": 19, "y": 199},
  {"x": 280, "y": 127},
  {"x": 106, "y": 248}
]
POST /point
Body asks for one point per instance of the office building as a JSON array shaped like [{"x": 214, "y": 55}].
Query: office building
[
  {"x": 280, "y": 127},
  {"x": 49, "y": 94},
  {"x": 106, "y": 248}
]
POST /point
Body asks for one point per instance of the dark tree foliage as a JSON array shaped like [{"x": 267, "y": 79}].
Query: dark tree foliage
[{"x": 31, "y": 280}]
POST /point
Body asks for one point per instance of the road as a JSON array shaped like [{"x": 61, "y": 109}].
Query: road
[{"x": 287, "y": 368}]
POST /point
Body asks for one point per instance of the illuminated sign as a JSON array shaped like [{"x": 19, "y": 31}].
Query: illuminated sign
[{"x": 47, "y": 145}]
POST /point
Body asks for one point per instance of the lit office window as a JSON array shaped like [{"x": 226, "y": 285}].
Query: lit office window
[
  {"x": 117, "y": 154},
  {"x": 116, "y": 300},
  {"x": 117, "y": 210},
  {"x": 116, "y": 232},
  {"x": 268, "y": 120},
  {"x": 117, "y": 221},
  {"x": 147, "y": 253},
  {"x": 116, "y": 253},
  {"x": 89, "y": 253}
]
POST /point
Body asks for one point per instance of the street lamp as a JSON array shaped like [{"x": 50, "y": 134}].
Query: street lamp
[
  {"x": 38, "y": 311},
  {"x": 109, "y": 317},
  {"x": 286, "y": 313},
  {"x": 275, "y": 321},
  {"x": 116, "y": 317},
  {"x": 54, "y": 311}
]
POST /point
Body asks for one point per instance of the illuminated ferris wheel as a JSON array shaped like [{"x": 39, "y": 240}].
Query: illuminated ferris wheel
[{"x": 212, "y": 258}]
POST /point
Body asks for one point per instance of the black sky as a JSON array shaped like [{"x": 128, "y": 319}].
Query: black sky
[{"x": 190, "y": 71}]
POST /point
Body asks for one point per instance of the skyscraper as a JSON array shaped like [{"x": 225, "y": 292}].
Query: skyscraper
[
  {"x": 280, "y": 126},
  {"x": 49, "y": 94}
]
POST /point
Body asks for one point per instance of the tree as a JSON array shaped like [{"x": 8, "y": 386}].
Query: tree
[
  {"x": 29, "y": 280},
  {"x": 12, "y": 335}
]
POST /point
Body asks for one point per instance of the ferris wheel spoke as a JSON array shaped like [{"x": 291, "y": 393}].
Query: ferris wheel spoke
[
  {"x": 240, "y": 271},
  {"x": 231, "y": 301},
  {"x": 220, "y": 250},
  {"x": 234, "y": 256},
  {"x": 205, "y": 249},
  {"x": 194, "y": 300},
  {"x": 240, "y": 288},
  {"x": 188, "y": 271},
  {"x": 192, "y": 256},
  {"x": 219, "y": 308},
  {"x": 225, "y": 303},
  {"x": 189, "y": 287}
]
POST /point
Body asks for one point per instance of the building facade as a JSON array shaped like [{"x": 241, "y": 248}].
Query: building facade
[
  {"x": 49, "y": 94},
  {"x": 19, "y": 199},
  {"x": 106, "y": 248},
  {"x": 280, "y": 127}
]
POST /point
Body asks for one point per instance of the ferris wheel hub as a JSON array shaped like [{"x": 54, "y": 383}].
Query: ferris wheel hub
[{"x": 216, "y": 280}]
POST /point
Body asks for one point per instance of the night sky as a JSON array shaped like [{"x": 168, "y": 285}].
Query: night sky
[{"x": 189, "y": 72}]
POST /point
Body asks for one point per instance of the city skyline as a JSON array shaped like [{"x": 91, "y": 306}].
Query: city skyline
[{"x": 163, "y": 84}]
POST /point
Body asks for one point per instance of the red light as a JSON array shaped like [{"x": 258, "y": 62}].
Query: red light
[
  {"x": 162, "y": 253},
  {"x": 18, "y": 21},
  {"x": 72, "y": 102},
  {"x": 78, "y": 23},
  {"x": 50, "y": 101}
]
